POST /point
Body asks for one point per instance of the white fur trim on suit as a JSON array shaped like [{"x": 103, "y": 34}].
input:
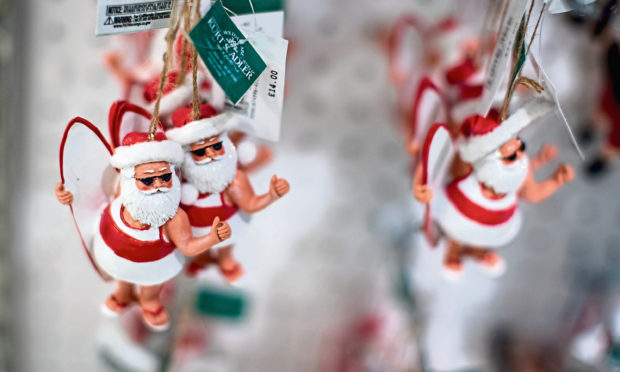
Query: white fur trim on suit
[
  {"x": 146, "y": 152},
  {"x": 476, "y": 147},
  {"x": 201, "y": 129}
]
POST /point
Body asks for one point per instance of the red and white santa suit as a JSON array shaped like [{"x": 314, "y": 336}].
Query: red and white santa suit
[
  {"x": 139, "y": 256},
  {"x": 461, "y": 209},
  {"x": 201, "y": 205},
  {"x": 466, "y": 215}
]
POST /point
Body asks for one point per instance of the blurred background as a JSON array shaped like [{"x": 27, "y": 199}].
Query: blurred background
[{"x": 338, "y": 276}]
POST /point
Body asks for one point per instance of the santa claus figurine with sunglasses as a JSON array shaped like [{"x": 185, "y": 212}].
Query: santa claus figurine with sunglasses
[
  {"x": 478, "y": 210},
  {"x": 142, "y": 236},
  {"x": 214, "y": 186}
]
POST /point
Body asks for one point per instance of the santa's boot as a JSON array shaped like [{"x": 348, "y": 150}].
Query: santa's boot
[
  {"x": 492, "y": 263},
  {"x": 230, "y": 268},
  {"x": 453, "y": 261},
  {"x": 154, "y": 313},
  {"x": 120, "y": 300},
  {"x": 199, "y": 263}
]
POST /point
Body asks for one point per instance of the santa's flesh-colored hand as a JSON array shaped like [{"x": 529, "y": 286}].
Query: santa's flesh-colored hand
[
  {"x": 422, "y": 193},
  {"x": 413, "y": 147},
  {"x": 564, "y": 173},
  {"x": 278, "y": 187},
  {"x": 547, "y": 153},
  {"x": 112, "y": 60},
  {"x": 63, "y": 195},
  {"x": 220, "y": 229}
]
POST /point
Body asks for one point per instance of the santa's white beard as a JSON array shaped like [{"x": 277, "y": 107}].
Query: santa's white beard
[
  {"x": 151, "y": 207},
  {"x": 214, "y": 176},
  {"x": 502, "y": 178}
]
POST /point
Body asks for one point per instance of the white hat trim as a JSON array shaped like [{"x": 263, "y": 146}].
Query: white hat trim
[
  {"x": 477, "y": 147},
  {"x": 147, "y": 152},
  {"x": 200, "y": 129}
]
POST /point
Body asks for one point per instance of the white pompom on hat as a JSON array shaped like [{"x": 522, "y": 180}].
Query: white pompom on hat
[{"x": 137, "y": 149}]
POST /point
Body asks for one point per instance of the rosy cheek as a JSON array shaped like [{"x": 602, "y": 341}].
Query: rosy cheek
[{"x": 141, "y": 186}]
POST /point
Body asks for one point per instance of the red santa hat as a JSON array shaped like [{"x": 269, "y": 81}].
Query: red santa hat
[
  {"x": 188, "y": 131},
  {"x": 173, "y": 95},
  {"x": 137, "y": 149},
  {"x": 484, "y": 134}
]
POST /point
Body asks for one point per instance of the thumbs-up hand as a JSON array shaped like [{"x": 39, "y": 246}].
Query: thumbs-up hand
[
  {"x": 278, "y": 187},
  {"x": 220, "y": 229}
]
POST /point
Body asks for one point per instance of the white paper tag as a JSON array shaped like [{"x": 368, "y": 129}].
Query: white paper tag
[
  {"x": 270, "y": 23},
  {"x": 126, "y": 16},
  {"x": 260, "y": 111},
  {"x": 550, "y": 91},
  {"x": 499, "y": 62}
]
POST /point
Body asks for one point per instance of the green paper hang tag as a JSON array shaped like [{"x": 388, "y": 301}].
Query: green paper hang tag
[{"x": 226, "y": 51}]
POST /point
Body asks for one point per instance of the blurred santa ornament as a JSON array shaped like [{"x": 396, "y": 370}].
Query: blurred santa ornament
[{"x": 478, "y": 210}]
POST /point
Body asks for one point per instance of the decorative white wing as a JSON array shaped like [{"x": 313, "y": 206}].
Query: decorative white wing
[
  {"x": 437, "y": 156},
  {"x": 406, "y": 48},
  {"x": 85, "y": 170},
  {"x": 429, "y": 108}
]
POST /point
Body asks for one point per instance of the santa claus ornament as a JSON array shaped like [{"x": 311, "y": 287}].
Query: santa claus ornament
[
  {"x": 140, "y": 237},
  {"x": 132, "y": 229},
  {"x": 478, "y": 212},
  {"x": 477, "y": 208},
  {"x": 213, "y": 185}
]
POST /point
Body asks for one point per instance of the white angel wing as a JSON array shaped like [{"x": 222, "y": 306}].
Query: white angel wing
[
  {"x": 437, "y": 156},
  {"x": 429, "y": 108},
  {"x": 406, "y": 47},
  {"x": 85, "y": 170}
]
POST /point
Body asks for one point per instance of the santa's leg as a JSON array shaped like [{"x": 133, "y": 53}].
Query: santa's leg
[
  {"x": 453, "y": 259},
  {"x": 492, "y": 262},
  {"x": 153, "y": 312},
  {"x": 120, "y": 300},
  {"x": 199, "y": 263},
  {"x": 230, "y": 268}
]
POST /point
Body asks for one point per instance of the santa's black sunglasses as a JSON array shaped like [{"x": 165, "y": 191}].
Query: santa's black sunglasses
[
  {"x": 201, "y": 152},
  {"x": 148, "y": 181},
  {"x": 513, "y": 156}
]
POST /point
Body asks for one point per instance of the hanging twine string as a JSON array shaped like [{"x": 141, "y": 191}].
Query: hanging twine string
[
  {"x": 196, "y": 101},
  {"x": 520, "y": 79},
  {"x": 542, "y": 10},
  {"x": 513, "y": 70},
  {"x": 186, "y": 14},
  {"x": 167, "y": 57}
]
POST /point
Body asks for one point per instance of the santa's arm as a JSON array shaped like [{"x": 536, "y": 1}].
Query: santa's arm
[
  {"x": 179, "y": 231},
  {"x": 242, "y": 194},
  {"x": 545, "y": 155},
  {"x": 536, "y": 192},
  {"x": 421, "y": 191}
]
